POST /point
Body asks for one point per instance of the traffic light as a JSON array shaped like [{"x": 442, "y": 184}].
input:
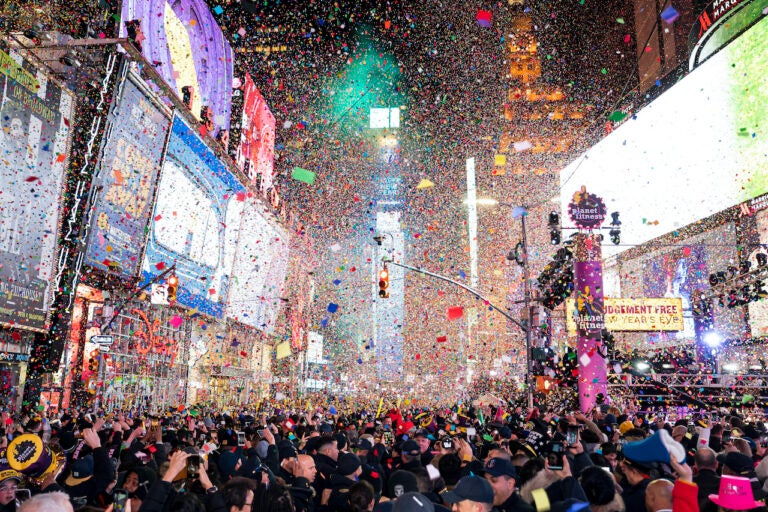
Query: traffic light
[
  {"x": 93, "y": 361},
  {"x": 173, "y": 287},
  {"x": 615, "y": 232},
  {"x": 384, "y": 283},
  {"x": 554, "y": 228}
]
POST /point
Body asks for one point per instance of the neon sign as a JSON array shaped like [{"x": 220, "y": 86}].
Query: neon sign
[{"x": 148, "y": 338}]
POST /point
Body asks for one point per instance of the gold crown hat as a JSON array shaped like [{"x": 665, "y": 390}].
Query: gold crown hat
[{"x": 31, "y": 457}]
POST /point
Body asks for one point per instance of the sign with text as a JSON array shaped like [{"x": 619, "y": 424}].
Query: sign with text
[
  {"x": 35, "y": 124},
  {"x": 587, "y": 211},
  {"x": 647, "y": 314},
  {"x": 131, "y": 160}
]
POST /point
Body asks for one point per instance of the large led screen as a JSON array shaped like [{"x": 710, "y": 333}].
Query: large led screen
[
  {"x": 253, "y": 258},
  {"x": 195, "y": 222},
  {"x": 698, "y": 149},
  {"x": 256, "y": 151},
  {"x": 186, "y": 46},
  {"x": 35, "y": 119},
  {"x": 130, "y": 162}
]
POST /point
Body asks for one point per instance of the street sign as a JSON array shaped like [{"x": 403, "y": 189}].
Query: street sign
[
  {"x": 104, "y": 348},
  {"x": 102, "y": 339},
  {"x": 159, "y": 294}
]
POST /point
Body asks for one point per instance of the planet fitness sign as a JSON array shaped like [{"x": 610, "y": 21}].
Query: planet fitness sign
[{"x": 587, "y": 211}]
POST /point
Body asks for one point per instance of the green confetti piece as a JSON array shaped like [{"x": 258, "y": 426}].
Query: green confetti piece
[
  {"x": 620, "y": 21},
  {"x": 604, "y": 71},
  {"x": 304, "y": 175},
  {"x": 617, "y": 115}
]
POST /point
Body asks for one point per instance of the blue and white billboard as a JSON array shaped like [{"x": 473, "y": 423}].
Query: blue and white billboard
[
  {"x": 196, "y": 222},
  {"x": 132, "y": 155}
]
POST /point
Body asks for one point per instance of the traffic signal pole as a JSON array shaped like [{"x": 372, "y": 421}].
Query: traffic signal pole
[{"x": 493, "y": 306}]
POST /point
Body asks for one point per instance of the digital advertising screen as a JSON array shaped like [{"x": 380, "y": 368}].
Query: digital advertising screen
[
  {"x": 195, "y": 223},
  {"x": 253, "y": 259},
  {"x": 696, "y": 150},
  {"x": 256, "y": 151},
  {"x": 677, "y": 271},
  {"x": 35, "y": 119},
  {"x": 131, "y": 158},
  {"x": 276, "y": 273},
  {"x": 186, "y": 46}
]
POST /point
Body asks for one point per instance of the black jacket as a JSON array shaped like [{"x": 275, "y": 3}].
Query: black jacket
[
  {"x": 326, "y": 467},
  {"x": 709, "y": 483},
  {"x": 302, "y": 494},
  {"x": 339, "y": 500},
  {"x": 634, "y": 496},
  {"x": 103, "y": 475},
  {"x": 515, "y": 504}
]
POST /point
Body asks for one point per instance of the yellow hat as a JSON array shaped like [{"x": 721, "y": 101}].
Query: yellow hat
[{"x": 626, "y": 427}]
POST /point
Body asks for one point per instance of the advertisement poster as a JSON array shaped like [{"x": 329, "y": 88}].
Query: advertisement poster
[
  {"x": 35, "y": 115},
  {"x": 256, "y": 152},
  {"x": 195, "y": 223},
  {"x": 130, "y": 164},
  {"x": 651, "y": 314},
  {"x": 590, "y": 318}
]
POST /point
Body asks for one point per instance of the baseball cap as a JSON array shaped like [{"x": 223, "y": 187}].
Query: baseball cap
[
  {"x": 473, "y": 488},
  {"x": 413, "y": 502},
  {"x": 411, "y": 447},
  {"x": 497, "y": 466},
  {"x": 737, "y": 462}
]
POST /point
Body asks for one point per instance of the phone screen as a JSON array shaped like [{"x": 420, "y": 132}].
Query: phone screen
[
  {"x": 120, "y": 497},
  {"x": 572, "y": 436},
  {"x": 241, "y": 439},
  {"x": 555, "y": 456},
  {"x": 193, "y": 466}
]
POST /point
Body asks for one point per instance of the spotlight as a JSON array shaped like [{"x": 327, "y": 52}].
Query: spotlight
[
  {"x": 642, "y": 365},
  {"x": 615, "y": 219},
  {"x": 713, "y": 279},
  {"x": 713, "y": 339},
  {"x": 721, "y": 277},
  {"x": 745, "y": 266},
  {"x": 732, "y": 270},
  {"x": 762, "y": 259},
  {"x": 71, "y": 59}
]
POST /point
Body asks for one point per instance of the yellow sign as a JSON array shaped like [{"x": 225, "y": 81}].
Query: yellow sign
[
  {"x": 283, "y": 350},
  {"x": 635, "y": 315}
]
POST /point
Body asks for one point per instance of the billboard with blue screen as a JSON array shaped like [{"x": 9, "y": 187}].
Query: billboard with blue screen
[{"x": 196, "y": 222}]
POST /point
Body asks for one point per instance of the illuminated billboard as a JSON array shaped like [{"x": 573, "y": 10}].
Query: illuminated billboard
[
  {"x": 131, "y": 158},
  {"x": 696, "y": 150},
  {"x": 256, "y": 151},
  {"x": 253, "y": 259},
  {"x": 35, "y": 119},
  {"x": 195, "y": 222},
  {"x": 186, "y": 46}
]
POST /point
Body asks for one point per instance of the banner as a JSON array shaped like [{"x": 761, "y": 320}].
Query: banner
[
  {"x": 256, "y": 151},
  {"x": 35, "y": 118},
  {"x": 131, "y": 160},
  {"x": 195, "y": 223},
  {"x": 656, "y": 314},
  {"x": 590, "y": 320}
]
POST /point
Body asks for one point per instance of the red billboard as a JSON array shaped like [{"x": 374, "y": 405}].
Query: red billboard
[{"x": 256, "y": 151}]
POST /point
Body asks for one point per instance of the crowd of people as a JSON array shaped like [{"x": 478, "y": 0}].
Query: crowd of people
[{"x": 480, "y": 459}]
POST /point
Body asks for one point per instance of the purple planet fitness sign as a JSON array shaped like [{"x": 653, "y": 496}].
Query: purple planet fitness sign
[{"x": 587, "y": 211}]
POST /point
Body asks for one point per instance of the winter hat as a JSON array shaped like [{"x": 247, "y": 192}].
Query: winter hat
[
  {"x": 401, "y": 482},
  {"x": 626, "y": 427},
  {"x": 348, "y": 463},
  {"x": 657, "y": 448}
]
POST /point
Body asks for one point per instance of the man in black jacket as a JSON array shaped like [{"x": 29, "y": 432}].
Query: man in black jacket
[
  {"x": 325, "y": 461},
  {"x": 706, "y": 478},
  {"x": 89, "y": 475},
  {"x": 502, "y": 476},
  {"x": 346, "y": 476}
]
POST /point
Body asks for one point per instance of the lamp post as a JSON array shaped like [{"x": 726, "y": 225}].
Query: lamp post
[{"x": 520, "y": 212}]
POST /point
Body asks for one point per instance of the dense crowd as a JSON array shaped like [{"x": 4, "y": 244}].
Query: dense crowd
[{"x": 465, "y": 459}]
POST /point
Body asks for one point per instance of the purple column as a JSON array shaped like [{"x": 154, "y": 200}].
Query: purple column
[{"x": 588, "y": 292}]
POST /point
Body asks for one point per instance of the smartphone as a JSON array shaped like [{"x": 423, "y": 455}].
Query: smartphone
[
  {"x": 120, "y": 497},
  {"x": 193, "y": 466},
  {"x": 471, "y": 432},
  {"x": 572, "y": 436},
  {"x": 261, "y": 432},
  {"x": 388, "y": 437},
  {"x": 241, "y": 439},
  {"x": 555, "y": 456}
]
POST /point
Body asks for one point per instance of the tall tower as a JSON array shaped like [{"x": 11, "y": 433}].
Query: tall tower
[{"x": 539, "y": 137}]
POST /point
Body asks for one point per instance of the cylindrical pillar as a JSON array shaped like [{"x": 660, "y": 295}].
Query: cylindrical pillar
[{"x": 588, "y": 292}]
